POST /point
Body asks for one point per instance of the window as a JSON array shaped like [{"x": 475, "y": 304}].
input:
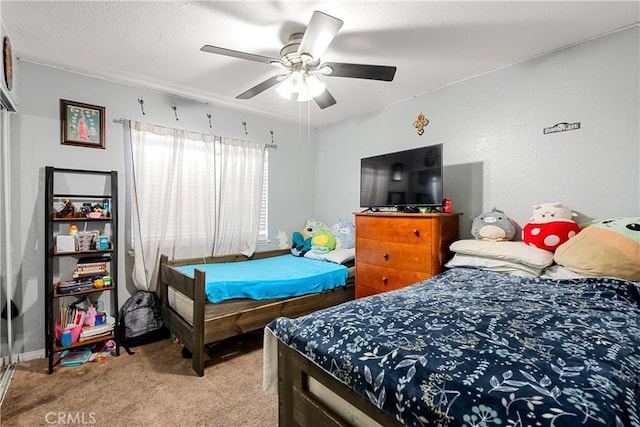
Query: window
[
  {"x": 263, "y": 233},
  {"x": 194, "y": 195},
  {"x": 182, "y": 222}
]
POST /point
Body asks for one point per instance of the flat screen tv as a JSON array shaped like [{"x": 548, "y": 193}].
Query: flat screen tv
[{"x": 406, "y": 180}]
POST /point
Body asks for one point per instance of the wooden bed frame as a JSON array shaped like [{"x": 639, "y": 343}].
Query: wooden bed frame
[
  {"x": 215, "y": 322},
  {"x": 298, "y": 406}
]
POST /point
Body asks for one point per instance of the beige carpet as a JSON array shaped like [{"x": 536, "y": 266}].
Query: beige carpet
[{"x": 154, "y": 387}]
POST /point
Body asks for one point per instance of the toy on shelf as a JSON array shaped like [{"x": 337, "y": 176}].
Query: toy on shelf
[
  {"x": 550, "y": 226},
  {"x": 67, "y": 209}
]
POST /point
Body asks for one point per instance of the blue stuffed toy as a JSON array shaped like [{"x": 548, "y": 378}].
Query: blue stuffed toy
[
  {"x": 493, "y": 226},
  {"x": 345, "y": 232}
]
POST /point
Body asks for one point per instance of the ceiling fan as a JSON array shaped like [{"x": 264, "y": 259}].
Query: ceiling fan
[{"x": 300, "y": 57}]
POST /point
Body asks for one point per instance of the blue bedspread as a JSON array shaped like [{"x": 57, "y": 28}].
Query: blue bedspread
[
  {"x": 276, "y": 277},
  {"x": 476, "y": 348}
]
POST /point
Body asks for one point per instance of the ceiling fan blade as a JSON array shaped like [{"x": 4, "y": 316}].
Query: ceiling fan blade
[
  {"x": 238, "y": 54},
  {"x": 319, "y": 34},
  {"x": 260, "y": 87},
  {"x": 325, "y": 99},
  {"x": 360, "y": 71}
]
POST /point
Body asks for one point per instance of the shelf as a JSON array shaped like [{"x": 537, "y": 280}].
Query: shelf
[
  {"x": 86, "y": 291},
  {"x": 79, "y": 188},
  {"x": 58, "y": 348},
  {"x": 90, "y": 251},
  {"x": 80, "y": 218},
  {"x": 81, "y": 196}
]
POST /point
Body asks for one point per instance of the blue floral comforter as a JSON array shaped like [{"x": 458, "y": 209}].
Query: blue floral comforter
[{"x": 476, "y": 348}]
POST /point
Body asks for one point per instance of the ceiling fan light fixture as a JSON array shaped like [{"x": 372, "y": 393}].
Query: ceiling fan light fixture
[
  {"x": 304, "y": 95},
  {"x": 284, "y": 89},
  {"x": 301, "y": 86},
  {"x": 314, "y": 85}
]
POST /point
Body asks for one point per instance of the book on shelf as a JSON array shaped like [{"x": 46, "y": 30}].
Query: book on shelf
[
  {"x": 87, "y": 338},
  {"x": 89, "y": 332},
  {"x": 72, "y": 316},
  {"x": 75, "y": 357},
  {"x": 74, "y": 286}
]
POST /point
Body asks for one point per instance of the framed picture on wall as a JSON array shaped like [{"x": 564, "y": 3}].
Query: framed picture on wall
[{"x": 82, "y": 124}]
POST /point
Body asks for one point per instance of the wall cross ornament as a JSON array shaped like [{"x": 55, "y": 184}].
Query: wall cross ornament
[{"x": 420, "y": 123}]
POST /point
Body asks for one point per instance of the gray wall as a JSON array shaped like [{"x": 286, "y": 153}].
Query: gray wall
[
  {"x": 491, "y": 128},
  {"x": 36, "y": 143},
  {"x": 495, "y": 153}
]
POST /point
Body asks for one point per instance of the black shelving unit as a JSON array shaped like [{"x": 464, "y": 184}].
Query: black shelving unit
[{"x": 76, "y": 185}]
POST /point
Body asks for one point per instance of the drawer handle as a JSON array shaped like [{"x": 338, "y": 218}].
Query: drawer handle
[
  {"x": 384, "y": 280},
  {"x": 416, "y": 232},
  {"x": 386, "y": 257}
]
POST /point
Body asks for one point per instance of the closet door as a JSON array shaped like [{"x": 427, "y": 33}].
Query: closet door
[{"x": 6, "y": 339}]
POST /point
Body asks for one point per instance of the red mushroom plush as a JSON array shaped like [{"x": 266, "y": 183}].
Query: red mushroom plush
[{"x": 550, "y": 226}]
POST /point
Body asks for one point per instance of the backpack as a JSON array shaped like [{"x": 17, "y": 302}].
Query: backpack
[{"x": 141, "y": 321}]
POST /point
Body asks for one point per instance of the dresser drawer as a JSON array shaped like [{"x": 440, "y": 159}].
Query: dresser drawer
[
  {"x": 394, "y": 255},
  {"x": 384, "y": 278},
  {"x": 400, "y": 230}
]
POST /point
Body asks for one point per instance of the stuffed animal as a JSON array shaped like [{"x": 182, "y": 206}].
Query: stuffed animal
[
  {"x": 323, "y": 242},
  {"x": 604, "y": 248},
  {"x": 493, "y": 226},
  {"x": 550, "y": 226},
  {"x": 301, "y": 240},
  {"x": 283, "y": 239},
  {"x": 345, "y": 232}
]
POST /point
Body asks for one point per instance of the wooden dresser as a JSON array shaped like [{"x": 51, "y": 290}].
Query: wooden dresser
[{"x": 394, "y": 250}]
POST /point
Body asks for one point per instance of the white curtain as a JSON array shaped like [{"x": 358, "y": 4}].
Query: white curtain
[
  {"x": 193, "y": 195},
  {"x": 241, "y": 181}
]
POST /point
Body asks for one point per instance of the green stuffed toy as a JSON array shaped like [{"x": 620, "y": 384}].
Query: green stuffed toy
[
  {"x": 323, "y": 242},
  {"x": 301, "y": 240}
]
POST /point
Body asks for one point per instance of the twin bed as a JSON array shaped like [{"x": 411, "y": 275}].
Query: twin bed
[{"x": 198, "y": 310}]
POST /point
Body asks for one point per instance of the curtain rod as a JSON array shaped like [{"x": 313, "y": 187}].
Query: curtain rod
[{"x": 126, "y": 120}]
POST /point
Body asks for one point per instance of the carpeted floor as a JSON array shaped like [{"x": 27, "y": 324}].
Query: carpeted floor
[{"x": 154, "y": 387}]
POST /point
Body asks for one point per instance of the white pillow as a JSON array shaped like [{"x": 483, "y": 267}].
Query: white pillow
[
  {"x": 339, "y": 256},
  {"x": 493, "y": 264},
  {"x": 518, "y": 252}
]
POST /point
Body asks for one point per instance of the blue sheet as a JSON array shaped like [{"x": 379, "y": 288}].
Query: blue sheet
[{"x": 276, "y": 277}]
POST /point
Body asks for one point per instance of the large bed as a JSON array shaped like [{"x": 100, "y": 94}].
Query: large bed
[
  {"x": 185, "y": 291},
  {"x": 468, "y": 347}
]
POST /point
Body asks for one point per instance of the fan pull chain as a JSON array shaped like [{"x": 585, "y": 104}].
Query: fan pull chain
[
  {"x": 209, "y": 117},
  {"x": 175, "y": 111},
  {"x": 244, "y": 124}
]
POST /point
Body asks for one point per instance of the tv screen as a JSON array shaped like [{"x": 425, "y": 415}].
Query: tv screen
[{"x": 409, "y": 178}]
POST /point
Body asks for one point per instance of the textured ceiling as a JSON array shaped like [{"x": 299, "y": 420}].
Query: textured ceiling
[{"x": 156, "y": 45}]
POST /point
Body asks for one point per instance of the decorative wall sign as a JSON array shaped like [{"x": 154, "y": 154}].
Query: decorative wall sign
[
  {"x": 82, "y": 124},
  {"x": 420, "y": 123},
  {"x": 561, "y": 127}
]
